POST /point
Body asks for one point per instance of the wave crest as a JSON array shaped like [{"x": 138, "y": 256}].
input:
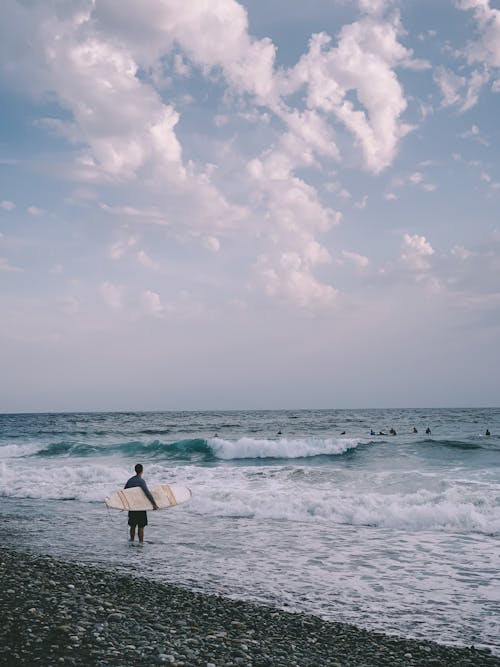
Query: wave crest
[
  {"x": 254, "y": 448},
  {"x": 198, "y": 449}
]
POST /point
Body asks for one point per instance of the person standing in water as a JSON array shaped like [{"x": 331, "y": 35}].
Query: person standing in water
[{"x": 139, "y": 519}]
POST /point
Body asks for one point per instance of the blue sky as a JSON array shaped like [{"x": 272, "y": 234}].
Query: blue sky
[{"x": 249, "y": 205}]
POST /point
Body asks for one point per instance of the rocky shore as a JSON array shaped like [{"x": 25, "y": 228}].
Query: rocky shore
[{"x": 59, "y": 613}]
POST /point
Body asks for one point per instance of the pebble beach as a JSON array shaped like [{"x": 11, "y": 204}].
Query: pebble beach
[{"x": 55, "y": 612}]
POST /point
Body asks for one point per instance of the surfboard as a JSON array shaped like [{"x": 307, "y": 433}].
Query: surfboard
[{"x": 134, "y": 499}]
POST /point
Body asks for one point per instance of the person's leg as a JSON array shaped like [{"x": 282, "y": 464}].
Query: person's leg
[
  {"x": 140, "y": 532},
  {"x": 132, "y": 522}
]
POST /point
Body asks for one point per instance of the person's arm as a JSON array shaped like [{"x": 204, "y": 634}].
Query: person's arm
[{"x": 148, "y": 493}]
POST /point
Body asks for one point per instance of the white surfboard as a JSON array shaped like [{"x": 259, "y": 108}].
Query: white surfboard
[{"x": 134, "y": 499}]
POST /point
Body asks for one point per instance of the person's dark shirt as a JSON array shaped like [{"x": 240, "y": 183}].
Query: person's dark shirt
[{"x": 136, "y": 480}]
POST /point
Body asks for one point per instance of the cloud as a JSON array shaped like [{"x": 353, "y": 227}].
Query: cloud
[
  {"x": 464, "y": 91},
  {"x": 34, "y": 211},
  {"x": 182, "y": 308},
  {"x": 487, "y": 48},
  {"x": 360, "y": 261},
  {"x": 460, "y": 91},
  {"x": 362, "y": 62},
  {"x": 415, "y": 251},
  {"x": 145, "y": 260},
  {"x": 152, "y": 215},
  {"x": 118, "y": 249},
  {"x": 7, "y": 205},
  {"x": 374, "y": 6},
  {"x": 290, "y": 281},
  {"x": 121, "y": 121},
  {"x": 461, "y": 252},
  {"x": 92, "y": 63},
  {"x": 474, "y": 134},
  {"x": 213, "y": 36},
  {"x": 152, "y": 303},
  {"x": 475, "y": 84},
  {"x": 294, "y": 216},
  {"x": 414, "y": 179},
  {"x": 112, "y": 295},
  {"x": 450, "y": 85},
  {"x": 7, "y": 267},
  {"x": 110, "y": 66},
  {"x": 212, "y": 243}
]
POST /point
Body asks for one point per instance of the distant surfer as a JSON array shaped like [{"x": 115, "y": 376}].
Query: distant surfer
[
  {"x": 343, "y": 433},
  {"x": 487, "y": 432},
  {"x": 372, "y": 432},
  {"x": 428, "y": 431},
  {"x": 139, "y": 519},
  {"x": 415, "y": 430},
  {"x": 392, "y": 432}
]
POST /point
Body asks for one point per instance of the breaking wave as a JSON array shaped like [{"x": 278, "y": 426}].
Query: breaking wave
[{"x": 205, "y": 450}]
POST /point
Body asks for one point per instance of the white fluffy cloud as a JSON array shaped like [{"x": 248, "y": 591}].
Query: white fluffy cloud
[
  {"x": 120, "y": 120},
  {"x": 360, "y": 261},
  {"x": 464, "y": 90},
  {"x": 487, "y": 48},
  {"x": 152, "y": 303},
  {"x": 415, "y": 252},
  {"x": 363, "y": 62},
  {"x": 294, "y": 215}
]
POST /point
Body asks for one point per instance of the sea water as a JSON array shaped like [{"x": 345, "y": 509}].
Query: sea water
[{"x": 303, "y": 510}]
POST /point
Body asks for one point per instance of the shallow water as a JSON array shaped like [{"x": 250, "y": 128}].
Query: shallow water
[{"x": 397, "y": 533}]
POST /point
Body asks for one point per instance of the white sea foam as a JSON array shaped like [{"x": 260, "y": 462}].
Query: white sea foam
[
  {"x": 284, "y": 448},
  {"x": 86, "y": 483},
  {"x": 17, "y": 451},
  {"x": 90, "y": 482},
  {"x": 459, "y": 508},
  {"x": 407, "y": 502}
]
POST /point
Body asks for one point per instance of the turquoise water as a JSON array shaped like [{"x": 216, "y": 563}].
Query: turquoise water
[{"x": 301, "y": 509}]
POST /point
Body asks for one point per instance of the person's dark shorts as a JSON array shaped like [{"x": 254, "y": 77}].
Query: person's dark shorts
[{"x": 139, "y": 519}]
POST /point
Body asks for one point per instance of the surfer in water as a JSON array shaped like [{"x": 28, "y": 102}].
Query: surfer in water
[{"x": 139, "y": 519}]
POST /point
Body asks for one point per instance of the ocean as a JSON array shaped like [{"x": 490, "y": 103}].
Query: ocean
[{"x": 304, "y": 510}]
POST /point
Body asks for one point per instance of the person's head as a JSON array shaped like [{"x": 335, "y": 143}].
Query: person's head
[{"x": 138, "y": 468}]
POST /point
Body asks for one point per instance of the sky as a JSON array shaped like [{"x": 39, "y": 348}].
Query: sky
[{"x": 249, "y": 205}]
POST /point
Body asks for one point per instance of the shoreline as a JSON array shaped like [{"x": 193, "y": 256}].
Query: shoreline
[{"x": 55, "y": 612}]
